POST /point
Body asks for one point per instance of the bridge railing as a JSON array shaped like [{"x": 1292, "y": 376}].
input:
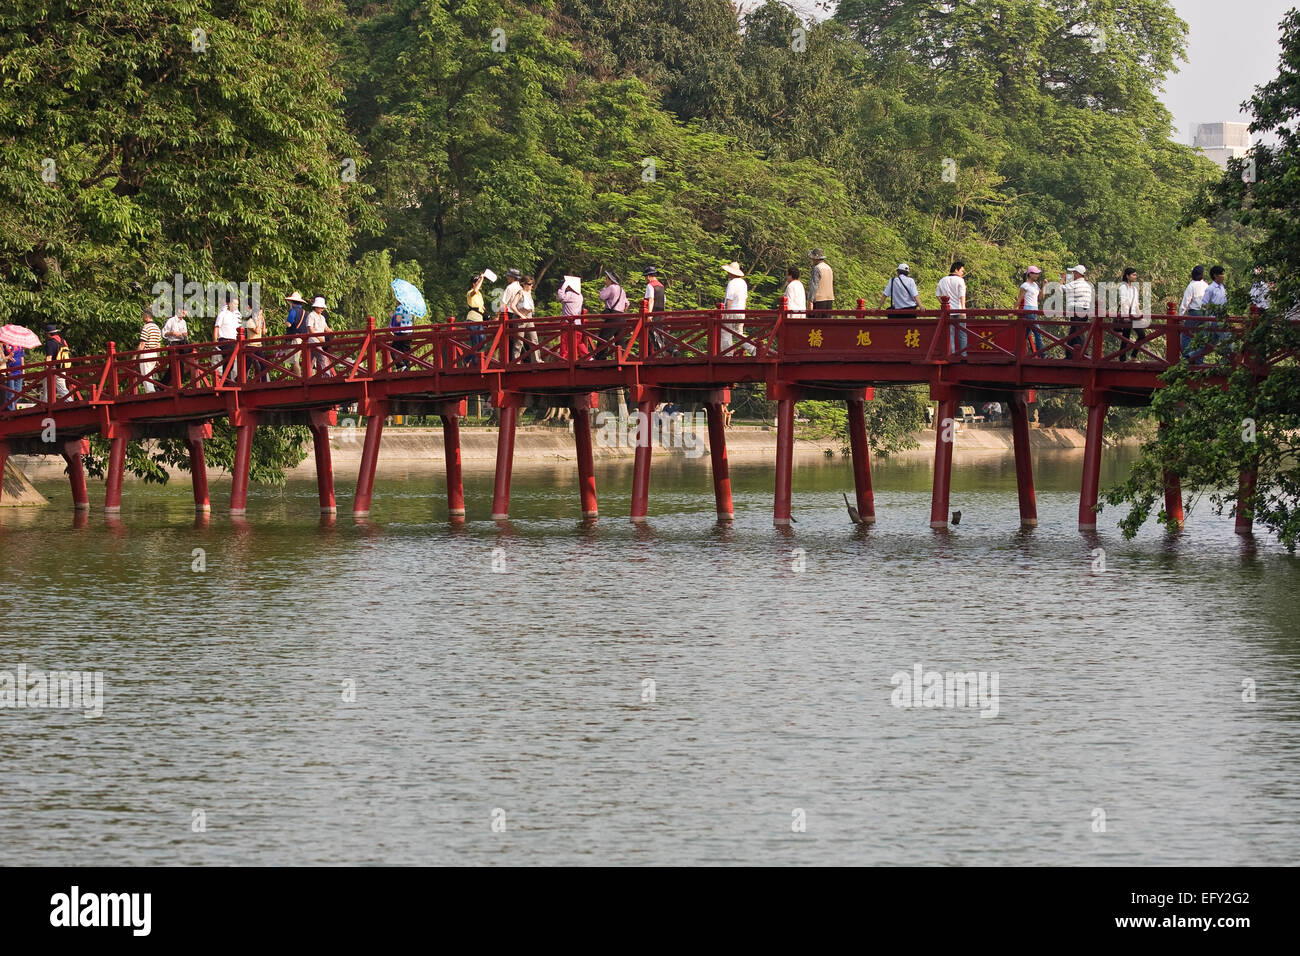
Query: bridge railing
[{"x": 709, "y": 336}]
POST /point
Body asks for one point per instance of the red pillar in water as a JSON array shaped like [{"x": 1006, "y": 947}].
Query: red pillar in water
[
  {"x": 376, "y": 412},
  {"x": 582, "y": 443},
  {"x": 1024, "y": 461},
  {"x": 198, "y": 465},
  {"x": 508, "y": 405},
  {"x": 646, "y": 399},
  {"x": 118, "y": 435},
  {"x": 785, "y": 399},
  {"x": 245, "y": 423},
  {"x": 451, "y": 415},
  {"x": 73, "y": 449},
  {"x": 718, "y": 454},
  {"x": 1246, "y": 507},
  {"x": 321, "y": 420},
  {"x": 945, "y": 436},
  {"x": 861, "y": 455},
  {"x": 1097, "y": 407}
]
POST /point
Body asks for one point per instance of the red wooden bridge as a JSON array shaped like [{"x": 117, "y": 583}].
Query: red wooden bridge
[{"x": 688, "y": 357}]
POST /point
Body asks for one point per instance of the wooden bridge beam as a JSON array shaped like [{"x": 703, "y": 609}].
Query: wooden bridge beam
[
  {"x": 1098, "y": 404},
  {"x": 73, "y": 449},
  {"x": 451, "y": 416},
  {"x": 861, "y": 451},
  {"x": 646, "y": 399},
  {"x": 195, "y": 436},
  {"x": 1024, "y": 460},
  {"x": 245, "y": 423},
  {"x": 321, "y": 420},
  {"x": 507, "y": 404},
  {"x": 718, "y": 453},
  {"x": 376, "y": 411},
  {"x": 582, "y": 406},
  {"x": 785, "y": 397},
  {"x": 945, "y": 436}
]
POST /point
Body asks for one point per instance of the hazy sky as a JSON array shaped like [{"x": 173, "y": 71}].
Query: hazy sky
[{"x": 1232, "y": 47}]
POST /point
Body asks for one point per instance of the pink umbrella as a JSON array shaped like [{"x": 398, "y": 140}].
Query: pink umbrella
[{"x": 19, "y": 336}]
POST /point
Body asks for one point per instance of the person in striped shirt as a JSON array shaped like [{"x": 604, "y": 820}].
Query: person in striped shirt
[{"x": 150, "y": 340}]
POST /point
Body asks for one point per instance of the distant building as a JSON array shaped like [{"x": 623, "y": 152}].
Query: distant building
[{"x": 1220, "y": 142}]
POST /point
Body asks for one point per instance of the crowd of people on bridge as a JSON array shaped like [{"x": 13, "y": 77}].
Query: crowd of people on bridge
[{"x": 308, "y": 329}]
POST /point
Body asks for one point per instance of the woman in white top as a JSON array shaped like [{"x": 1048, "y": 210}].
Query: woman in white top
[
  {"x": 1193, "y": 296},
  {"x": 1027, "y": 302}
]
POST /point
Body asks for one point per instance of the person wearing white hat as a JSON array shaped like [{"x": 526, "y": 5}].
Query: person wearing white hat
[
  {"x": 569, "y": 295},
  {"x": 901, "y": 291},
  {"x": 1078, "y": 309},
  {"x": 733, "y": 303},
  {"x": 318, "y": 327},
  {"x": 1027, "y": 302}
]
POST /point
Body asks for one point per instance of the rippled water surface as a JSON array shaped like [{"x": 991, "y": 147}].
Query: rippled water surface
[{"x": 522, "y": 695}]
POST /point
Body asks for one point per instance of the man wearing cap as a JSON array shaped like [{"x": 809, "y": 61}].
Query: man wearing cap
[
  {"x": 613, "y": 328},
  {"x": 1027, "y": 302},
  {"x": 317, "y": 327},
  {"x": 296, "y": 324},
  {"x": 59, "y": 355},
  {"x": 821, "y": 283},
  {"x": 1078, "y": 309},
  {"x": 733, "y": 303},
  {"x": 175, "y": 333},
  {"x": 953, "y": 288},
  {"x": 900, "y": 292}
]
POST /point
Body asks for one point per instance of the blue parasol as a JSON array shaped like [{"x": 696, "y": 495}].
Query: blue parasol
[{"x": 410, "y": 302}]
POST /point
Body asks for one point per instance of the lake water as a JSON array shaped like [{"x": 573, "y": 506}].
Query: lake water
[{"x": 405, "y": 691}]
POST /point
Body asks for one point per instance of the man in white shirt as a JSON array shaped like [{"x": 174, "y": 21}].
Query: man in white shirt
[
  {"x": 175, "y": 331},
  {"x": 1215, "y": 303},
  {"x": 1191, "y": 305},
  {"x": 226, "y": 330},
  {"x": 1078, "y": 309},
  {"x": 796, "y": 300},
  {"x": 900, "y": 291},
  {"x": 953, "y": 288},
  {"x": 733, "y": 304}
]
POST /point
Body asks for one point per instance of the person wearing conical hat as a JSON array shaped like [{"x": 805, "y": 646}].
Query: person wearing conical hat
[{"x": 733, "y": 305}]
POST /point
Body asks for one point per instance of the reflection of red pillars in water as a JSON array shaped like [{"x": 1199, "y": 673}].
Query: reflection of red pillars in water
[
  {"x": 245, "y": 424},
  {"x": 582, "y": 443},
  {"x": 198, "y": 465},
  {"x": 1024, "y": 462},
  {"x": 945, "y": 436},
  {"x": 118, "y": 435},
  {"x": 1091, "y": 461},
  {"x": 451, "y": 414},
  {"x": 320, "y": 441},
  {"x": 73, "y": 449},
  {"x": 861, "y": 459},
  {"x": 376, "y": 412},
  {"x": 785, "y": 398},
  {"x": 718, "y": 454},
  {"x": 4, "y": 457},
  {"x": 508, "y": 404},
  {"x": 647, "y": 399},
  {"x": 1246, "y": 507}
]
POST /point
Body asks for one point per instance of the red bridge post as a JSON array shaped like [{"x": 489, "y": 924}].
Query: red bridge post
[
  {"x": 945, "y": 436},
  {"x": 118, "y": 435},
  {"x": 451, "y": 415},
  {"x": 245, "y": 423},
  {"x": 194, "y": 438},
  {"x": 1024, "y": 461},
  {"x": 861, "y": 451},
  {"x": 646, "y": 399},
  {"x": 1097, "y": 407},
  {"x": 718, "y": 453},
  {"x": 321, "y": 420},
  {"x": 785, "y": 397},
  {"x": 582, "y": 406},
  {"x": 1173, "y": 494},
  {"x": 73, "y": 449},
  {"x": 376, "y": 410},
  {"x": 507, "y": 403},
  {"x": 1245, "y": 506}
]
